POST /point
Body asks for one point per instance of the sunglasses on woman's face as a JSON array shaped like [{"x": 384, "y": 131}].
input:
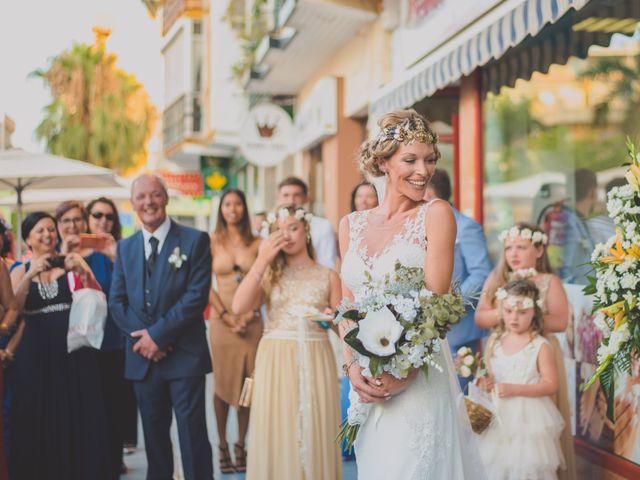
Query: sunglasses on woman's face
[{"x": 99, "y": 215}]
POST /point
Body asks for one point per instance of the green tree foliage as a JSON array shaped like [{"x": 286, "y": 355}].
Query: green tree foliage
[
  {"x": 99, "y": 113},
  {"x": 623, "y": 74}
]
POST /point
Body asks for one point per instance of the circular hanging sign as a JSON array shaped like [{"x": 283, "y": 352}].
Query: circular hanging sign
[{"x": 266, "y": 137}]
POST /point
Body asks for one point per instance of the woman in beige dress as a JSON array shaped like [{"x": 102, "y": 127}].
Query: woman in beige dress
[
  {"x": 295, "y": 406},
  {"x": 525, "y": 256},
  {"x": 234, "y": 338}
]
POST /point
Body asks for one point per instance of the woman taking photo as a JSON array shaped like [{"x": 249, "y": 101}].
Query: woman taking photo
[
  {"x": 122, "y": 408},
  {"x": 234, "y": 338},
  {"x": 58, "y": 428}
]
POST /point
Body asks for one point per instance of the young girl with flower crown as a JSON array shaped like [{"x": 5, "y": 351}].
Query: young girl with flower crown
[
  {"x": 295, "y": 408},
  {"x": 525, "y": 257},
  {"x": 523, "y": 441}
]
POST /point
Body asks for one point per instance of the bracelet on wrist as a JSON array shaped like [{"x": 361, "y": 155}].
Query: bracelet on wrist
[
  {"x": 347, "y": 365},
  {"x": 222, "y": 313}
]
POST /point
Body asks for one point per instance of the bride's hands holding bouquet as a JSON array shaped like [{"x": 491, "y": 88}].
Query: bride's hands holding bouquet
[
  {"x": 365, "y": 387},
  {"x": 391, "y": 385}
]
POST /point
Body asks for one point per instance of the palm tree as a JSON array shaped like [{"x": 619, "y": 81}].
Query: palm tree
[{"x": 99, "y": 113}]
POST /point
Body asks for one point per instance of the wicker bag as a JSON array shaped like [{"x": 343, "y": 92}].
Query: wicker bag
[{"x": 479, "y": 416}]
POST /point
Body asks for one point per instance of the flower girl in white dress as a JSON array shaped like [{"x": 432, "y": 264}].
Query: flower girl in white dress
[{"x": 523, "y": 441}]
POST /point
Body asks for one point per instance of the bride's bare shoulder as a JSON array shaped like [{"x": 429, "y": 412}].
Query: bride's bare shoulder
[
  {"x": 438, "y": 209},
  {"x": 439, "y": 214}
]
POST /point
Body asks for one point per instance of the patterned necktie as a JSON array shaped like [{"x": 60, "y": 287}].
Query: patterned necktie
[{"x": 151, "y": 261}]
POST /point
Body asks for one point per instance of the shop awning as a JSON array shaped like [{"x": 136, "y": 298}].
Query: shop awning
[{"x": 488, "y": 38}]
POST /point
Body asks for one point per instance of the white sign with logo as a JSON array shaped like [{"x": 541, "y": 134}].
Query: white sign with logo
[
  {"x": 266, "y": 138},
  {"x": 318, "y": 115}
]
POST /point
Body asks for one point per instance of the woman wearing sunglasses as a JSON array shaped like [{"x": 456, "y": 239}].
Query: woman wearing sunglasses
[{"x": 103, "y": 221}]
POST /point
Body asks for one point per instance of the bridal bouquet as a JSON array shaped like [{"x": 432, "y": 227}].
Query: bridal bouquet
[
  {"x": 394, "y": 327},
  {"x": 615, "y": 287}
]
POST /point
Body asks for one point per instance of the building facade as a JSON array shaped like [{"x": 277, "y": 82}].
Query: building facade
[{"x": 542, "y": 94}]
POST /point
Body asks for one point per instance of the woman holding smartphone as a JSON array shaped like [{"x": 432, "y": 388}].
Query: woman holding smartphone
[
  {"x": 104, "y": 225},
  {"x": 98, "y": 250},
  {"x": 58, "y": 426}
]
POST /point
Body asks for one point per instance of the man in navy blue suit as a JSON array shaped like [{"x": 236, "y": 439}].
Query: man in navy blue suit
[
  {"x": 471, "y": 266},
  {"x": 160, "y": 289}
]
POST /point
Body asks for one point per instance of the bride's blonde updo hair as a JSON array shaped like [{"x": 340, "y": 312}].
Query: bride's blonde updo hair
[{"x": 397, "y": 127}]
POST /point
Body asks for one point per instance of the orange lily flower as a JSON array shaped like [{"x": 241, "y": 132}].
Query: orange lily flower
[{"x": 617, "y": 252}]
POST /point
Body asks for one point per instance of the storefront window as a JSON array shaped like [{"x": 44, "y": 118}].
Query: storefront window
[
  {"x": 441, "y": 112},
  {"x": 555, "y": 143}
]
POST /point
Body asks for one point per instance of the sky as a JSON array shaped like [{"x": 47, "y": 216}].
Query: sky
[{"x": 34, "y": 31}]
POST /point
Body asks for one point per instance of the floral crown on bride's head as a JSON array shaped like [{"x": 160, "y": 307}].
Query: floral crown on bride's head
[
  {"x": 536, "y": 236},
  {"x": 283, "y": 213}
]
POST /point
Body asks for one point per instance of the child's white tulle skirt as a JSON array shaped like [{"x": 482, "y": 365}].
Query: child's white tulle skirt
[{"x": 523, "y": 441}]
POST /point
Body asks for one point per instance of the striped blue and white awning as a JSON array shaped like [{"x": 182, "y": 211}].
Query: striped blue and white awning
[{"x": 487, "y": 39}]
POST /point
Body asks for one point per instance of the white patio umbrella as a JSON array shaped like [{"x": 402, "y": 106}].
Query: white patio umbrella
[{"x": 21, "y": 170}]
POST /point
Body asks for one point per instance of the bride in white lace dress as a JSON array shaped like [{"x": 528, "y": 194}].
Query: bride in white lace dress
[{"x": 419, "y": 429}]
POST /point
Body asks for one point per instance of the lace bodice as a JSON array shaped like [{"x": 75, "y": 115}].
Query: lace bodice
[
  {"x": 408, "y": 246},
  {"x": 300, "y": 290},
  {"x": 520, "y": 367}
]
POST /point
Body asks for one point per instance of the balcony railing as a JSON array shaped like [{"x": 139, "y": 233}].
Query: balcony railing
[
  {"x": 182, "y": 120},
  {"x": 174, "y": 9}
]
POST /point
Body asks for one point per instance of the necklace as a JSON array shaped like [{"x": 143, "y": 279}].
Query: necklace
[{"x": 48, "y": 290}]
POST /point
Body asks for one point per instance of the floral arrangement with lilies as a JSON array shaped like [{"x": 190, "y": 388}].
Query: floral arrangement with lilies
[
  {"x": 615, "y": 286},
  {"x": 395, "y": 327}
]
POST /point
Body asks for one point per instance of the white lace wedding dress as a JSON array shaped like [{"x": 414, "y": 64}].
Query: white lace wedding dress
[{"x": 424, "y": 432}]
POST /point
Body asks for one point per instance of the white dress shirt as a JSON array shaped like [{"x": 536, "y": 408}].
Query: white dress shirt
[
  {"x": 160, "y": 233},
  {"x": 324, "y": 242}
]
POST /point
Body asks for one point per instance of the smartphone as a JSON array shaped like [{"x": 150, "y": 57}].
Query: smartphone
[
  {"x": 57, "y": 261},
  {"x": 91, "y": 240}
]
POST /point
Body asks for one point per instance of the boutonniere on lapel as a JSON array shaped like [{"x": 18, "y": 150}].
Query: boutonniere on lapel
[{"x": 177, "y": 258}]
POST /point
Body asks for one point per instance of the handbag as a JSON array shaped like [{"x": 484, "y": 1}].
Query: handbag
[
  {"x": 246, "y": 392},
  {"x": 88, "y": 315}
]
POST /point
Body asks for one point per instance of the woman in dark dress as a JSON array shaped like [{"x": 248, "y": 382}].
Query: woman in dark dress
[
  {"x": 103, "y": 221},
  {"x": 58, "y": 427},
  {"x": 73, "y": 220}
]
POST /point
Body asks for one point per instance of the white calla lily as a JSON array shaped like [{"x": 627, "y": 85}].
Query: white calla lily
[{"x": 379, "y": 332}]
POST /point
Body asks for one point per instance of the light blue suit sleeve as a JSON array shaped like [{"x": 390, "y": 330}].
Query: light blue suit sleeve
[
  {"x": 471, "y": 268},
  {"x": 473, "y": 248}
]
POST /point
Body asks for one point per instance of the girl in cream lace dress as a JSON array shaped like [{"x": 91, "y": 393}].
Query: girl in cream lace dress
[
  {"x": 295, "y": 409},
  {"x": 523, "y": 441}
]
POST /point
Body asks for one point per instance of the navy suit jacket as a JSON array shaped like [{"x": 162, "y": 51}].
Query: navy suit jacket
[
  {"x": 177, "y": 299},
  {"x": 471, "y": 267}
]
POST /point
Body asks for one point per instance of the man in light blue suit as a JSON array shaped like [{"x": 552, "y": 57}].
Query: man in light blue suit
[
  {"x": 159, "y": 291},
  {"x": 471, "y": 266}
]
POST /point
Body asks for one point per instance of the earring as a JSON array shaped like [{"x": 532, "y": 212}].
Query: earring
[{"x": 308, "y": 237}]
